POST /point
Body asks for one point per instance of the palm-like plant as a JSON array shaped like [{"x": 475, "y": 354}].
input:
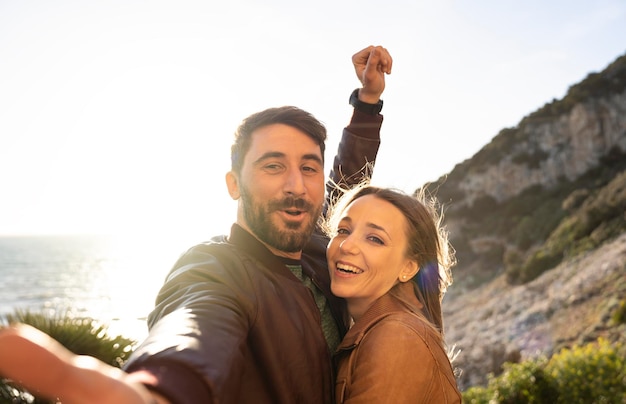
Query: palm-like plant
[{"x": 81, "y": 335}]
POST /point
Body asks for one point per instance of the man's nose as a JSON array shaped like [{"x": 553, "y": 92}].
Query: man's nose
[{"x": 294, "y": 183}]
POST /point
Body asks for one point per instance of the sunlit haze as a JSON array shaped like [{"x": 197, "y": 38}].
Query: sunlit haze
[{"x": 117, "y": 116}]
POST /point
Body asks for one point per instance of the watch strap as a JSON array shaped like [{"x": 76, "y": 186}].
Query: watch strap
[{"x": 371, "y": 109}]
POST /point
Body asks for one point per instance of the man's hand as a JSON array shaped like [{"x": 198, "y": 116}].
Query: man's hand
[
  {"x": 34, "y": 360},
  {"x": 371, "y": 64}
]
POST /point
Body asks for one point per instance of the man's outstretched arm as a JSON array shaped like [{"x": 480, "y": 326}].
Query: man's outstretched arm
[{"x": 34, "y": 360}]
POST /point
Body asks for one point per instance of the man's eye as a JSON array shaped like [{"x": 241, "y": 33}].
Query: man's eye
[{"x": 310, "y": 169}]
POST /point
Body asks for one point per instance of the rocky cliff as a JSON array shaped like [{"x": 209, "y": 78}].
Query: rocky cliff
[
  {"x": 550, "y": 150},
  {"x": 538, "y": 220}
]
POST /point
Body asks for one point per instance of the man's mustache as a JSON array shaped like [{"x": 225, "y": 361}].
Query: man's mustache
[{"x": 291, "y": 203}]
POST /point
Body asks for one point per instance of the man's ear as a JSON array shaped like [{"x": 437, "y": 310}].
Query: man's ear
[{"x": 232, "y": 183}]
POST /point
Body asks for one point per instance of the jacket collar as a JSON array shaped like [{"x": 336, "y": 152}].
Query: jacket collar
[
  {"x": 313, "y": 265},
  {"x": 399, "y": 299},
  {"x": 254, "y": 248}
]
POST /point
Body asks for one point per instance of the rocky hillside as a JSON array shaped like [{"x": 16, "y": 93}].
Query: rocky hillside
[{"x": 538, "y": 221}]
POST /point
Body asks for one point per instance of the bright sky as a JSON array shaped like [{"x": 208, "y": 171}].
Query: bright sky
[{"x": 117, "y": 116}]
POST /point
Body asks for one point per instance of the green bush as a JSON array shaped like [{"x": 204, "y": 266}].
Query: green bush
[
  {"x": 81, "y": 335},
  {"x": 524, "y": 382},
  {"x": 538, "y": 263},
  {"x": 594, "y": 373},
  {"x": 477, "y": 395},
  {"x": 619, "y": 315}
]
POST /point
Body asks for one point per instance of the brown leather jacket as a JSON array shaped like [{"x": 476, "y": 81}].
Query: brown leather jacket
[
  {"x": 391, "y": 355},
  {"x": 232, "y": 324}
]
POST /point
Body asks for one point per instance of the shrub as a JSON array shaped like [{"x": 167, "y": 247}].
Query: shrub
[
  {"x": 523, "y": 382},
  {"x": 539, "y": 262},
  {"x": 619, "y": 315},
  {"x": 81, "y": 335},
  {"x": 594, "y": 373},
  {"x": 477, "y": 395}
]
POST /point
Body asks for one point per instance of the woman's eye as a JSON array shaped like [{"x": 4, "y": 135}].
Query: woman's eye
[
  {"x": 376, "y": 240},
  {"x": 342, "y": 231}
]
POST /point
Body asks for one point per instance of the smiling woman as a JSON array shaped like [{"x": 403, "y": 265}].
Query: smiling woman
[{"x": 389, "y": 258}]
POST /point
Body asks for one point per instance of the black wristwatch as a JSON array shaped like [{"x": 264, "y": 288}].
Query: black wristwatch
[{"x": 372, "y": 109}]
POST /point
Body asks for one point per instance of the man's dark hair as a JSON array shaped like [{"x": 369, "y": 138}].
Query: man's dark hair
[{"x": 288, "y": 115}]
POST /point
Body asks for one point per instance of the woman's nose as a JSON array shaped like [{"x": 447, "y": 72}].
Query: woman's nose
[{"x": 348, "y": 246}]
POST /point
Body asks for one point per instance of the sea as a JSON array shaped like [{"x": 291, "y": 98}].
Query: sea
[{"x": 111, "y": 279}]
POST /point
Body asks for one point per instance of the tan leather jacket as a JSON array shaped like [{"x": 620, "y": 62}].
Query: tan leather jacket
[
  {"x": 391, "y": 355},
  {"x": 232, "y": 324}
]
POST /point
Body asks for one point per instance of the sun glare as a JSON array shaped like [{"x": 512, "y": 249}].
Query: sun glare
[{"x": 131, "y": 279}]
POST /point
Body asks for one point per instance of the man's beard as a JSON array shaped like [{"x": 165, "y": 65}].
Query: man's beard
[{"x": 259, "y": 220}]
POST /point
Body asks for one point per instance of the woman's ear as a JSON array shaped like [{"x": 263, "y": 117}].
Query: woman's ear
[
  {"x": 409, "y": 271},
  {"x": 232, "y": 183}
]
